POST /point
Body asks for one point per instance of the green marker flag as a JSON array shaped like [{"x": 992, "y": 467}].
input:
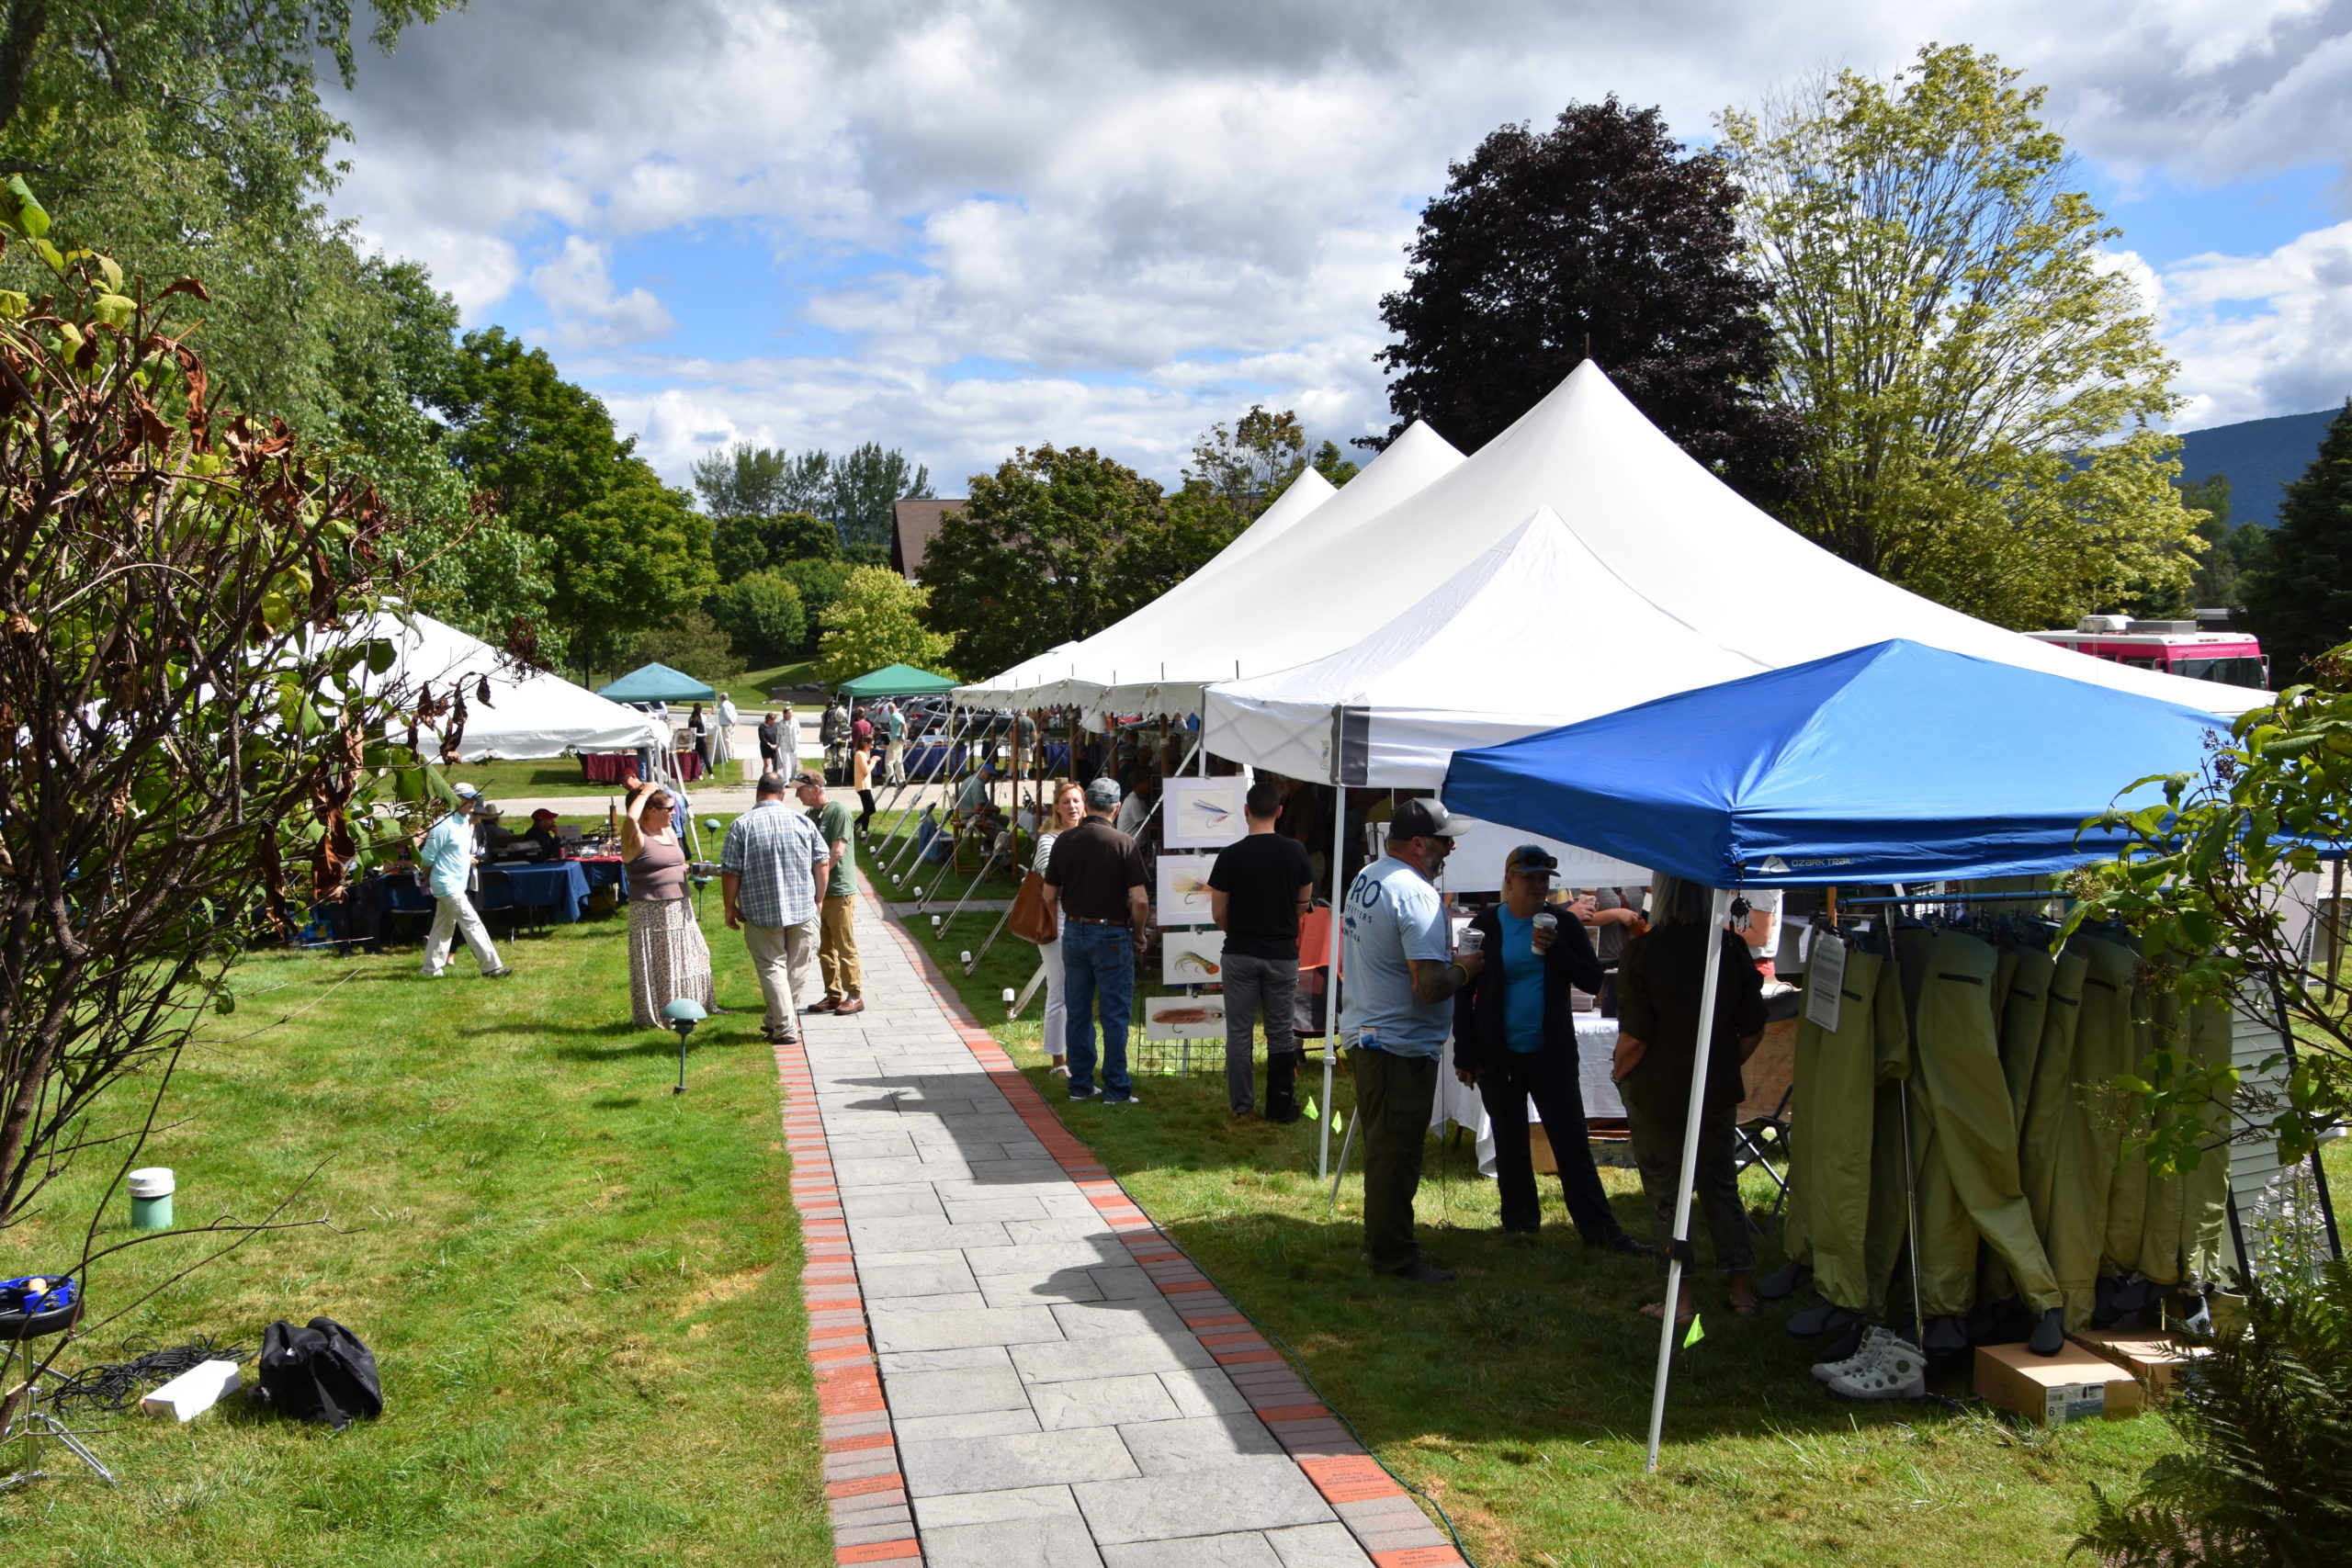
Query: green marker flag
[
  {"x": 1312, "y": 1113},
  {"x": 1698, "y": 1332},
  {"x": 1339, "y": 1122}
]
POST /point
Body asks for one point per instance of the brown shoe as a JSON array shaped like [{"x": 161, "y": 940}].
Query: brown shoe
[
  {"x": 828, "y": 1005},
  {"x": 850, "y": 1005}
]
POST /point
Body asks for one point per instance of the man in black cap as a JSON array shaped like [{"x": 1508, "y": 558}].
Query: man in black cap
[
  {"x": 1096, "y": 879},
  {"x": 1399, "y": 976},
  {"x": 1515, "y": 1039}
]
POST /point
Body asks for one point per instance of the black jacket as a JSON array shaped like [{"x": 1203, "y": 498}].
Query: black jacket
[{"x": 1478, "y": 1013}]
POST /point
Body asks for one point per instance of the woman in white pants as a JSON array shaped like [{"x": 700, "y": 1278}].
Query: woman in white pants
[{"x": 1068, "y": 811}]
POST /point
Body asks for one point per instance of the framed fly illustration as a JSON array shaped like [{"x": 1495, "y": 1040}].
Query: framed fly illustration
[
  {"x": 1184, "y": 890},
  {"x": 1203, "y": 814},
  {"x": 1193, "y": 958},
  {"x": 1183, "y": 1018}
]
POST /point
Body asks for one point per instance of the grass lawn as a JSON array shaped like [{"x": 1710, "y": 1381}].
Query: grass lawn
[
  {"x": 1520, "y": 1396},
  {"x": 581, "y": 1289},
  {"x": 750, "y": 689}
]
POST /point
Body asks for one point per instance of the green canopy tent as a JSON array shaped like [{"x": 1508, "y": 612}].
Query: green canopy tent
[
  {"x": 897, "y": 680},
  {"x": 658, "y": 684}
]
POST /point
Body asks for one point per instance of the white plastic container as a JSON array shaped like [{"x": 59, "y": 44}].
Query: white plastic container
[{"x": 150, "y": 1197}]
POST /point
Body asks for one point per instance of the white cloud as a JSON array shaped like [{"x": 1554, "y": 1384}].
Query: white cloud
[
  {"x": 1136, "y": 219},
  {"x": 577, "y": 287},
  {"x": 2265, "y": 335}
]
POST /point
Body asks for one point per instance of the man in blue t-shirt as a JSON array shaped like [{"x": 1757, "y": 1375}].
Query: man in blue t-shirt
[{"x": 1398, "y": 973}]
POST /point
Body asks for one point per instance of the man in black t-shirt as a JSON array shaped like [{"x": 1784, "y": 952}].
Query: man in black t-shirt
[
  {"x": 1258, "y": 889},
  {"x": 1095, "y": 882}
]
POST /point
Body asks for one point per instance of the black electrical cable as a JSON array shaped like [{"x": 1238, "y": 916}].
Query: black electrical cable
[{"x": 114, "y": 1387}]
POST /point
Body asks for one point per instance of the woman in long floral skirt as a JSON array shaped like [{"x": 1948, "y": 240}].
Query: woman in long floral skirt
[{"x": 667, "y": 956}]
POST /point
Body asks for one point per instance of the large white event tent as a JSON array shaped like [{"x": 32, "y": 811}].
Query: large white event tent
[
  {"x": 1156, "y": 659},
  {"x": 1303, "y": 495},
  {"x": 1670, "y": 533},
  {"x": 530, "y": 713}
]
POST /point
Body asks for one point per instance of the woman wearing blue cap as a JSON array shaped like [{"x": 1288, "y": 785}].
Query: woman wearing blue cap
[{"x": 1515, "y": 1038}]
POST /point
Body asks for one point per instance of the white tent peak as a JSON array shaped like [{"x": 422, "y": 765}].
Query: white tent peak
[
  {"x": 1299, "y": 498},
  {"x": 1428, "y": 681},
  {"x": 530, "y": 714},
  {"x": 1173, "y": 646}
]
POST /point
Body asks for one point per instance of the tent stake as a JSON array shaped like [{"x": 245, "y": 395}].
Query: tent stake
[{"x": 1719, "y": 911}]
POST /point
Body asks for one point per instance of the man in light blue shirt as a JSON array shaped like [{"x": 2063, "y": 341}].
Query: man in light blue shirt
[
  {"x": 1398, "y": 973},
  {"x": 448, "y": 854}
]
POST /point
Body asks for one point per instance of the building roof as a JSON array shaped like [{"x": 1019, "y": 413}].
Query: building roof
[{"x": 913, "y": 524}]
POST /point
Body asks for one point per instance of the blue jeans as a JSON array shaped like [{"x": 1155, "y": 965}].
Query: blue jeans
[{"x": 1097, "y": 963}]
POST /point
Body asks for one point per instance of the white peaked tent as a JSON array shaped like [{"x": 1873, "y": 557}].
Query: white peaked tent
[
  {"x": 530, "y": 713},
  {"x": 1670, "y": 532},
  {"x": 1158, "y": 659},
  {"x": 1305, "y": 493},
  {"x": 1532, "y": 634}
]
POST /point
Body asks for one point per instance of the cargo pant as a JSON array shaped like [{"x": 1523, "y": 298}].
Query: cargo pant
[{"x": 1394, "y": 1097}]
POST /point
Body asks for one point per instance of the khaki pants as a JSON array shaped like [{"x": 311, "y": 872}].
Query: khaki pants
[
  {"x": 838, "y": 949},
  {"x": 781, "y": 957},
  {"x": 893, "y": 767},
  {"x": 456, "y": 914}
]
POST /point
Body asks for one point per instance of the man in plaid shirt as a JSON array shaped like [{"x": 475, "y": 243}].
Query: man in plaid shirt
[{"x": 771, "y": 869}]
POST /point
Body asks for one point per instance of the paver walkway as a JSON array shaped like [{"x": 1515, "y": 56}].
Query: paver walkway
[{"x": 1015, "y": 1367}]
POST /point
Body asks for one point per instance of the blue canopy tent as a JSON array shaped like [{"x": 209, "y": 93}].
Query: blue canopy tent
[{"x": 1892, "y": 762}]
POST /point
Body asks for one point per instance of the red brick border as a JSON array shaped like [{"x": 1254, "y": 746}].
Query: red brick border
[
  {"x": 863, "y": 1490},
  {"x": 1383, "y": 1516}
]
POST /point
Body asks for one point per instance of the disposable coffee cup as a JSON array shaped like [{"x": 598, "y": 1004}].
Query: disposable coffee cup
[
  {"x": 1473, "y": 939},
  {"x": 1546, "y": 921}
]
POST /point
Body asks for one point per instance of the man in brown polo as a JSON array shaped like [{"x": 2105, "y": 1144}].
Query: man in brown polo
[{"x": 1096, "y": 880}]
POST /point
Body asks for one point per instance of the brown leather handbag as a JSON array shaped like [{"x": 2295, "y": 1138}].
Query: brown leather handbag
[{"x": 1031, "y": 920}]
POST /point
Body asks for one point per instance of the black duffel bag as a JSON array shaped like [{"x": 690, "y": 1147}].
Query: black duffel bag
[{"x": 322, "y": 1373}]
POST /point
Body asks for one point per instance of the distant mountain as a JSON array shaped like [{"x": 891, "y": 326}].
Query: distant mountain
[{"x": 2259, "y": 456}]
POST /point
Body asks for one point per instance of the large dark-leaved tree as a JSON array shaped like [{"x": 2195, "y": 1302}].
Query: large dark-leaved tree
[
  {"x": 2300, "y": 597},
  {"x": 1601, "y": 237}
]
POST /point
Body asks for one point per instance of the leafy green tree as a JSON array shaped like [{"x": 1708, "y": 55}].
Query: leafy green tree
[
  {"x": 762, "y": 614},
  {"x": 1333, "y": 465},
  {"x": 625, "y": 552},
  {"x": 819, "y": 584},
  {"x": 1977, "y": 392},
  {"x": 866, "y": 483},
  {"x": 1247, "y": 466},
  {"x": 2300, "y": 598},
  {"x": 1604, "y": 238},
  {"x": 1056, "y": 545},
  {"x": 191, "y": 134},
  {"x": 875, "y": 623},
  {"x": 853, "y": 493},
  {"x": 691, "y": 643},
  {"x": 635, "y": 558},
  {"x": 742, "y": 545}
]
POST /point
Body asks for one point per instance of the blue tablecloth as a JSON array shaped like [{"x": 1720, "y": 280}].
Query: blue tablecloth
[{"x": 561, "y": 887}]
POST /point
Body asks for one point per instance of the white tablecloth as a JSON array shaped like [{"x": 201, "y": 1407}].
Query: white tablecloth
[{"x": 1459, "y": 1103}]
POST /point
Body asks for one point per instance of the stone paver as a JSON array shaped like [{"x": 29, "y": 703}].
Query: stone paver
[{"x": 1015, "y": 1366}]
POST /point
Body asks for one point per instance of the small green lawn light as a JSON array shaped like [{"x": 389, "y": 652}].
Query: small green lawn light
[{"x": 683, "y": 1014}]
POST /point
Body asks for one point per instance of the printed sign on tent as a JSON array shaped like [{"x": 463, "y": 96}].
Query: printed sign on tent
[
  {"x": 1193, "y": 958},
  {"x": 1184, "y": 890},
  {"x": 1203, "y": 814},
  {"x": 1183, "y": 1018}
]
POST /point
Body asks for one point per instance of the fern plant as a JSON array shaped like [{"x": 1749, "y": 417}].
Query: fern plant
[{"x": 2266, "y": 1479}]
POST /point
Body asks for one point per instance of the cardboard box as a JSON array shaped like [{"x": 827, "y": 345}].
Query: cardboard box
[
  {"x": 2155, "y": 1359},
  {"x": 2075, "y": 1384}
]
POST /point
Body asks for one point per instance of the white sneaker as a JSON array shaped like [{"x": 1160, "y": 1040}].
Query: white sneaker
[
  {"x": 1824, "y": 1370},
  {"x": 1893, "y": 1369}
]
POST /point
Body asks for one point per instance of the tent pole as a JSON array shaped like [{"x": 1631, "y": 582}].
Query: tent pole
[
  {"x": 1331, "y": 971},
  {"x": 1710, "y": 984}
]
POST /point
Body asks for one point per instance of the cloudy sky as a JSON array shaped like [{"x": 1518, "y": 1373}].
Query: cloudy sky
[{"x": 957, "y": 226}]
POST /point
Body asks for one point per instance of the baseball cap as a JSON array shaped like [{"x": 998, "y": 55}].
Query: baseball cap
[
  {"x": 1426, "y": 818},
  {"x": 542, "y": 815},
  {"x": 1102, "y": 792},
  {"x": 1530, "y": 858},
  {"x": 466, "y": 792}
]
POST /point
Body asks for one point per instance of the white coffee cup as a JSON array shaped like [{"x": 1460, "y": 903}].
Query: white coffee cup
[
  {"x": 1473, "y": 939},
  {"x": 1546, "y": 921}
]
